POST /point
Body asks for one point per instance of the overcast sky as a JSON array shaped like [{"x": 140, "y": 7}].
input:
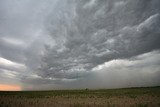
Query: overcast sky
[{"x": 67, "y": 44}]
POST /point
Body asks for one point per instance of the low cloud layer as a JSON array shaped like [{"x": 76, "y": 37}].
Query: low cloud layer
[{"x": 78, "y": 44}]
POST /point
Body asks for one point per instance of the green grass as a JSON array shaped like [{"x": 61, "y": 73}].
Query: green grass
[{"x": 141, "y": 105}]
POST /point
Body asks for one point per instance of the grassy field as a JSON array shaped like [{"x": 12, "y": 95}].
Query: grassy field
[{"x": 125, "y": 97}]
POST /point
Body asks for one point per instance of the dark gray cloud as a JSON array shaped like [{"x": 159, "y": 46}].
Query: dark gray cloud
[
  {"x": 77, "y": 44},
  {"x": 142, "y": 70},
  {"x": 89, "y": 33}
]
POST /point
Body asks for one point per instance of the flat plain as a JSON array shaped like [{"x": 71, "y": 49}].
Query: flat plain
[{"x": 123, "y": 97}]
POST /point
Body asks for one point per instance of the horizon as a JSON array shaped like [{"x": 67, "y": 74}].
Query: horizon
[{"x": 87, "y": 89}]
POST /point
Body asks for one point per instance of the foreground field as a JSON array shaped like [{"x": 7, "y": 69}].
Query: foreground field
[{"x": 128, "y": 97}]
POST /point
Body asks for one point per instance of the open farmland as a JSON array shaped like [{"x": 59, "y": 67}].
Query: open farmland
[{"x": 125, "y": 97}]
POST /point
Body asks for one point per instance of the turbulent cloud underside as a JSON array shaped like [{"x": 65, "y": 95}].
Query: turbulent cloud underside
[{"x": 79, "y": 43}]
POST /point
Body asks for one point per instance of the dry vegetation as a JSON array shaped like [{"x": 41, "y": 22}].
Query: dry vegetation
[{"x": 131, "y": 97}]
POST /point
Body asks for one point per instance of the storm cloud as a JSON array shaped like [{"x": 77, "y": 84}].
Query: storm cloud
[{"x": 79, "y": 43}]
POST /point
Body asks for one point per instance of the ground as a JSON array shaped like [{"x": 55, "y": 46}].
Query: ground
[{"x": 124, "y": 97}]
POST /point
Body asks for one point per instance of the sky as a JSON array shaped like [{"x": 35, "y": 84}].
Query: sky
[{"x": 77, "y": 44}]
